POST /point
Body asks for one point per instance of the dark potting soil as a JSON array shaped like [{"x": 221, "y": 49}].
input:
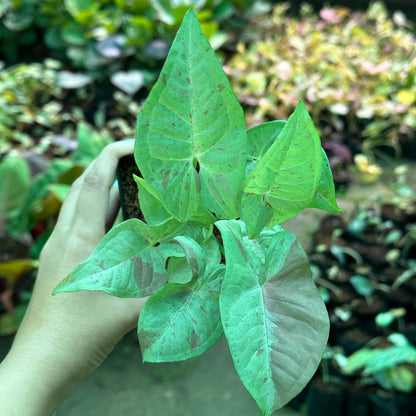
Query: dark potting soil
[{"x": 128, "y": 188}]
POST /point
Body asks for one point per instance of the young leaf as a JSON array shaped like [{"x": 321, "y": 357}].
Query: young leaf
[
  {"x": 261, "y": 137},
  {"x": 182, "y": 321},
  {"x": 124, "y": 263},
  {"x": 325, "y": 197},
  {"x": 274, "y": 319},
  {"x": 194, "y": 255},
  {"x": 152, "y": 208},
  {"x": 287, "y": 177},
  {"x": 199, "y": 150}
]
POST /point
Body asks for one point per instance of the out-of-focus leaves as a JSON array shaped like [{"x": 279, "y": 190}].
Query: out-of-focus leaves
[
  {"x": 90, "y": 144},
  {"x": 111, "y": 47},
  {"x": 10, "y": 321},
  {"x": 13, "y": 269},
  {"x": 14, "y": 186},
  {"x": 67, "y": 79},
  {"x": 359, "y": 66},
  {"x": 60, "y": 191},
  {"x": 130, "y": 82}
]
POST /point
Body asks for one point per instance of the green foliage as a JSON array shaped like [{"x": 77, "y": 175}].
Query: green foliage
[
  {"x": 354, "y": 70},
  {"x": 27, "y": 199},
  {"x": 26, "y": 94},
  {"x": 99, "y": 38},
  {"x": 14, "y": 187},
  {"x": 206, "y": 269},
  {"x": 390, "y": 367}
]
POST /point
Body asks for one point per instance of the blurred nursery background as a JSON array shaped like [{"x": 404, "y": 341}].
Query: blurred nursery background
[{"x": 73, "y": 77}]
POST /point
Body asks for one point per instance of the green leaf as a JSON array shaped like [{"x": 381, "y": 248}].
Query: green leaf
[
  {"x": 362, "y": 285},
  {"x": 128, "y": 81},
  {"x": 194, "y": 255},
  {"x": 82, "y": 10},
  {"x": 182, "y": 321},
  {"x": 90, "y": 144},
  {"x": 60, "y": 190},
  {"x": 375, "y": 360},
  {"x": 125, "y": 262},
  {"x": 325, "y": 197},
  {"x": 261, "y": 137},
  {"x": 14, "y": 186},
  {"x": 274, "y": 319},
  {"x": 390, "y": 357},
  {"x": 401, "y": 378},
  {"x": 287, "y": 177},
  {"x": 199, "y": 151},
  {"x": 151, "y": 206},
  {"x": 155, "y": 212}
]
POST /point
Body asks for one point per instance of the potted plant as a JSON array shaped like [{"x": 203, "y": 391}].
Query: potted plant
[
  {"x": 388, "y": 363},
  {"x": 209, "y": 248}
]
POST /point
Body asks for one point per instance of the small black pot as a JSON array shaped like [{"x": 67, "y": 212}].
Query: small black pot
[
  {"x": 325, "y": 399},
  {"x": 129, "y": 201}
]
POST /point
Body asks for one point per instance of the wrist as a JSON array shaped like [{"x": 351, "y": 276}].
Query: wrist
[{"x": 35, "y": 380}]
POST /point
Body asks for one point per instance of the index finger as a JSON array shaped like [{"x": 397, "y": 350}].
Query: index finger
[{"x": 87, "y": 202}]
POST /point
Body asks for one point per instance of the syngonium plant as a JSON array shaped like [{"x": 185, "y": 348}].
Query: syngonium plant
[{"x": 211, "y": 252}]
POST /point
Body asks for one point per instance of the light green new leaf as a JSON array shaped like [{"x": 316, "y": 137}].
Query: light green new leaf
[
  {"x": 287, "y": 177},
  {"x": 124, "y": 263},
  {"x": 191, "y": 140},
  {"x": 182, "y": 321},
  {"x": 325, "y": 197},
  {"x": 194, "y": 255},
  {"x": 261, "y": 137},
  {"x": 151, "y": 206},
  {"x": 275, "y": 321}
]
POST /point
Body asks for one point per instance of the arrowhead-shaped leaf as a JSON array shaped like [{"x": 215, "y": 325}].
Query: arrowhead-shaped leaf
[
  {"x": 125, "y": 263},
  {"x": 191, "y": 139},
  {"x": 182, "y": 321},
  {"x": 287, "y": 177},
  {"x": 273, "y": 316}
]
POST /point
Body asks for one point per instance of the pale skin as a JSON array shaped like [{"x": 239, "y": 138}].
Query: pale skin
[{"x": 65, "y": 337}]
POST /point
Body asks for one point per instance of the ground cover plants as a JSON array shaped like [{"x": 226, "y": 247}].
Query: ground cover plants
[
  {"x": 353, "y": 69},
  {"x": 364, "y": 266},
  {"x": 209, "y": 248},
  {"x": 32, "y": 189}
]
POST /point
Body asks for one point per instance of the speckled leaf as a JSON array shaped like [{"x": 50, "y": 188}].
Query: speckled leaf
[
  {"x": 274, "y": 319},
  {"x": 191, "y": 138},
  {"x": 182, "y": 321},
  {"x": 124, "y": 263},
  {"x": 287, "y": 177},
  {"x": 325, "y": 197}
]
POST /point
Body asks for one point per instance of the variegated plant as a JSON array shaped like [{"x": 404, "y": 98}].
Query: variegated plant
[{"x": 211, "y": 252}]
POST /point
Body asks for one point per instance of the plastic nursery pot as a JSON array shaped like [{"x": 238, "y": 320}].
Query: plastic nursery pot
[
  {"x": 392, "y": 404},
  {"x": 129, "y": 201},
  {"x": 325, "y": 399},
  {"x": 358, "y": 401}
]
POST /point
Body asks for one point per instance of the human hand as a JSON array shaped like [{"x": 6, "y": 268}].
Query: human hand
[{"x": 64, "y": 337}]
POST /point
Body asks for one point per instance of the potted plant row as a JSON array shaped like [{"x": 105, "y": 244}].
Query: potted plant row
[{"x": 365, "y": 270}]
